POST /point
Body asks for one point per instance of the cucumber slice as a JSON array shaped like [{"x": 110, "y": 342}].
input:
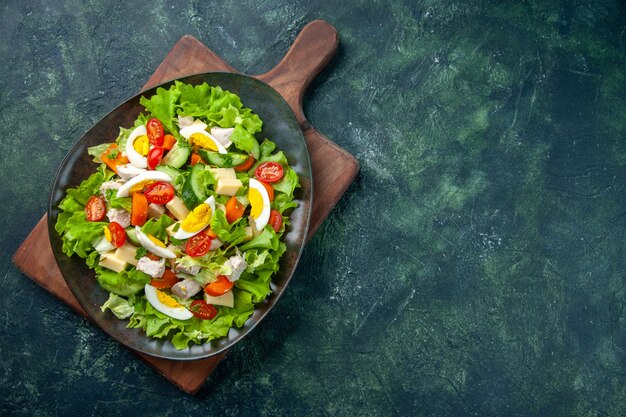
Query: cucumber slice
[
  {"x": 222, "y": 160},
  {"x": 195, "y": 189},
  {"x": 131, "y": 235},
  {"x": 177, "y": 156}
]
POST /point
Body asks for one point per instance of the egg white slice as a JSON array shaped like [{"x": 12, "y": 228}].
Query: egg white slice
[
  {"x": 179, "y": 312},
  {"x": 153, "y": 247},
  {"x": 124, "y": 190},
  {"x": 186, "y": 132},
  {"x": 133, "y": 156},
  {"x": 184, "y": 234},
  {"x": 261, "y": 220}
]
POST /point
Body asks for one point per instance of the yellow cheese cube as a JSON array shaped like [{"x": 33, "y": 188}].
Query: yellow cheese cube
[
  {"x": 110, "y": 261},
  {"x": 177, "y": 208},
  {"x": 126, "y": 253},
  {"x": 227, "y": 300},
  {"x": 228, "y": 186},
  {"x": 224, "y": 173}
]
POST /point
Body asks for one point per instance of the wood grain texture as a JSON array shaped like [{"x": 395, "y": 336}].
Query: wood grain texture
[{"x": 333, "y": 168}]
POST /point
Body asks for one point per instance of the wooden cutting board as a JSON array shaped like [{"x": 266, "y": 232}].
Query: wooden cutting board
[{"x": 333, "y": 168}]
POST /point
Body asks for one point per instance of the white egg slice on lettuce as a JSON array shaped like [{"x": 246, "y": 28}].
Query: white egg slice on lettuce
[
  {"x": 166, "y": 304},
  {"x": 196, "y": 134},
  {"x": 259, "y": 203},
  {"x": 125, "y": 189},
  {"x": 197, "y": 219},
  {"x": 153, "y": 245},
  {"x": 134, "y": 157}
]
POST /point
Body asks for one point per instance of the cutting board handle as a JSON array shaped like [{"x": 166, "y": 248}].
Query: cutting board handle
[{"x": 314, "y": 47}]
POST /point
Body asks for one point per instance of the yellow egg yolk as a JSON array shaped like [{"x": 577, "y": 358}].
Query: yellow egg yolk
[
  {"x": 256, "y": 201},
  {"x": 198, "y": 219},
  {"x": 107, "y": 233},
  {"x": 140, "y": 186},
  {"x": 142, "y": 145},
  {"x": 167, "y": 299},
  {"x": 156, "y": 241},
  {"x": 203, "y": 141}
]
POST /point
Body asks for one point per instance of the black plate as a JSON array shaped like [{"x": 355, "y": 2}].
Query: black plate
[{"x": 279, "y": 125}]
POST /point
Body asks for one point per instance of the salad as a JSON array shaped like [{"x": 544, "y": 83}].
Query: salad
[{"x": 182, "y": 219}]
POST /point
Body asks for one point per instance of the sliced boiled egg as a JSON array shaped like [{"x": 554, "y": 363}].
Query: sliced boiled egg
[
  {"x": 137, "y": 147},
  {"x": 259, "y": 203},
  {"x": 153, "y": 244},
  {"x": 197, "y": 219},
  {"x": 197, "y": 135},
  {"x": 138, "y": 182},
  {"x": 166, "y": 304}
]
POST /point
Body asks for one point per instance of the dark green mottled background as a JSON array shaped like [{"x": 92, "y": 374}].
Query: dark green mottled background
[{"x": 475, "y": 268}]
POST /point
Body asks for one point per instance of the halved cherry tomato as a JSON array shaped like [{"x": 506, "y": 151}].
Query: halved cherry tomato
[
  {"x": 155, "y": 131},
  {"x": 118, "y": 234},
  {"x": 96, "y": 208},
  {"x": 113, "y": 162},
  {"x": 198, "y": 245},
  {"x": 168, "y": 142},
  {"x": 269, "y": 172},
  {"x": 139, "y": 209},
  {"x": 219, "y": 287},
  {"x": 160, "y": 192},
  {"x": 234, "y": 209},
  {"x": 276, "y": 220},
  {"x": 167, "y": 280},
  {"x": 196, "y": 159},
  {"x": 202, "y": 310},
  {"x": 154, "y": 157},
  {"x": 270, "y": 190},
  {"x": 246, "y": 165}
]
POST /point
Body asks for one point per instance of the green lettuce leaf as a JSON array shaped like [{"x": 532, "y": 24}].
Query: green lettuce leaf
[
  {"x": 266, "y": 240},
  {"x": 245, "y": 141},
  {"x": 156, "y": 227},
  {"x": 90, "y": 186},
  {"x": 283, "y": 202},
  {"x": 258, "y": 285},
  {"x": 255, "y": 258},
  {"x": 226, "y": 232},
  {"x": 217, "y": 106},
  {"x": 288, "y": 183},
  {"x": 118, "y": 306},
  {"x": 124, "y": 283},
  {"x": 162, "y": 105},
  {"x": 277, "y": 157},
  {"x": 78, "y": 233},
  {"x": 194, "y": 330},
  {"x": 124, "y": 203},
  {"x": 267, "y": 147}
]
